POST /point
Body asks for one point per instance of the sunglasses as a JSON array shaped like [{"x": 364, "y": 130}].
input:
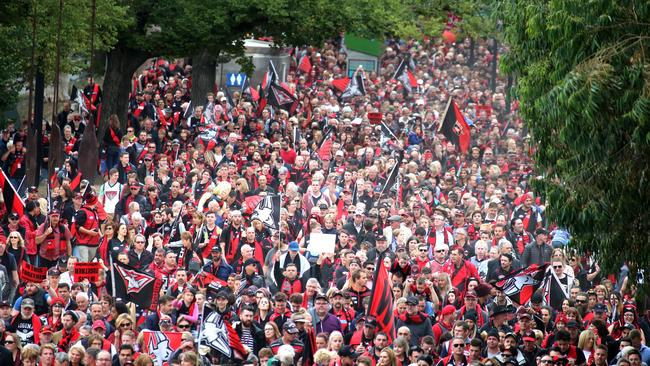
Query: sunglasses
[
  {"x": 557, "y": 267},
  {"x": 440, "y": 251},
  {"x": 581, "y": 301},
  {"x": 457, "y": 345},
  {"x": 125, "y": 325},
  {"x": 184, "y": 326},
  {"x": 423, "y": 250},
  {"x": 9, "y": 342}
]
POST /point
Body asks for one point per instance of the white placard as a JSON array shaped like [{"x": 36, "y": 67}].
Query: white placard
[{"x": 321, "y": 243}]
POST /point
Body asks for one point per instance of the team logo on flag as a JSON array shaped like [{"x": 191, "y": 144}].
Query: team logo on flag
[
  {"x": 134, "y": 280},
  {"x": 161, "y": 345},
  {"x": 215, "y": 334},
  {"x": 520, "y": 285},
  {"x": 268, "y": 212}
]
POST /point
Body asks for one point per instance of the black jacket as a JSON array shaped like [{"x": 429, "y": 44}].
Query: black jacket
[{"x": 258, "y": 336}]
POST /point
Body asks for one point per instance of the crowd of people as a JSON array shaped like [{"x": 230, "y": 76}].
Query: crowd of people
[{"x": 181, "y": 185}]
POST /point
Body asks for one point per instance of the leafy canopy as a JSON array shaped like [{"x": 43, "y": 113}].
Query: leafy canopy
[{"x": 583, "y": 78}]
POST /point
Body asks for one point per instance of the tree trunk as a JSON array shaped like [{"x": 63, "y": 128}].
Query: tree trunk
[
  {"x": 121, "y": 64},
  {"x": 203, "y": 76},
  {"x": 495, "y": 60}
]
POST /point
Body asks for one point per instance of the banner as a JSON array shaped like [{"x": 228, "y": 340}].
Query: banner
[
  {"x": 87, "y": 270},
  {"x": 161, "y": 345},
  {"x": 29, "y": 273},
  {"x": 219, "y": 335}
]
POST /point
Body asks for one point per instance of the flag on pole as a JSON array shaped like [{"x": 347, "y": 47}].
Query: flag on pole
[
  {"x": 454, "y": 127},
  {"x": 381, "y": 301},
  {"x": 279, "y": 97},
  {"x": 355, "y": 87},
  {"x": 138, "y": 287},
  {"x": 13, "y": 202},
  {"x": 556, "y": 290},
  {"x": 522, "y": 284},
  {"x": 305, "y": 64},
  {"x": 341, "y": 84},
  {"x": 392, "y": 182},
  {"x": 324, "y": 150},
  {"x": 405, "y": 76},
  {"x": 218, "y": 334},
  {"x": 268, "y": 212}
]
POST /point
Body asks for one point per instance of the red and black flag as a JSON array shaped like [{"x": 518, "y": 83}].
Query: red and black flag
[
  {"x": 355, "y": 87},
  {"x": 341, "y": 84},
  {"x": 520, "y": 285},
  {"x": 279, "y": 97},
  {"x": 392, "y": 182},
  {"x": 133, "y": 285},
  {"x": 381, "y": 301},
  {"x": 455, "y": 127},
  {"x": 405, "y": 75},
  {"x": 219, "y": 335},
  {"x": 13, "y": 202}
]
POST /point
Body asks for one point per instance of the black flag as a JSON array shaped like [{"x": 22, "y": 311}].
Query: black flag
[
  {"x": 268, "y": 212},
  {"x": 392, "y": 180},
  {"x": 136, "y": 286}
]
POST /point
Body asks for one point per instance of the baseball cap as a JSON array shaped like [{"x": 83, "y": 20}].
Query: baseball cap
[
  {"x": 27, "y": 303},
  {"x": 449, "y": 309},
  {"x": 216, "y": 248},
  {"x": 529, "y": 336},
  {"x": 600, "y": 308},
  {"x": 47, "y": 329},
  {"x": 412, "y": 300},
  {"x": 321, "y": 296},
  {"x": 5, "y": 304},
  {"x": 293, "y": 246},
  {"x": 98, "y": 324},
  {"x": 32, "y": 189},
  {"x": 290, "y": 327}
]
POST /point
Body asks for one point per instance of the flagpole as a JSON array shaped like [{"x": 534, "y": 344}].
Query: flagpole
[
  {"x": 19, "y": 186},
  {"x": 110, "y": 260},
  {"x": 198, "y": 342},
  {"x": 444, "y": 115}
]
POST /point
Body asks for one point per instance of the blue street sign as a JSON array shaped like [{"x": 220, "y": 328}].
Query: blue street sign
[{"x": 235, "y": 79}]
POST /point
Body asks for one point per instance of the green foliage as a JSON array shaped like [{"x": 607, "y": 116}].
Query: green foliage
[
  {"x": 16, "y": 38},
  {"x": 584, "y": 82}
]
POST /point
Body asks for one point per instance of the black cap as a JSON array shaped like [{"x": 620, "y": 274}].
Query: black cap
[
  {"x": 322, "y": 296},
  {"x": 370, "y": 322},
  {"x": 412, "y": 300},
  {"x": 5, "y": 304},
  {"x": 32, "y": 189},
  {"x": 381, "y": 238},
  {"x": 53, "y": 272},
  {"x": 600, "y": 308},
  {"x": 14, "y": 216},
  {"x": 347, "y": 351},
  {"x": 216, "y": 248},
  {"x": 250, "y": 261}
]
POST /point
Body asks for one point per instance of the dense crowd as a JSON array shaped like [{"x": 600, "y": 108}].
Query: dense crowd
[{"x": 181, "y": 184}]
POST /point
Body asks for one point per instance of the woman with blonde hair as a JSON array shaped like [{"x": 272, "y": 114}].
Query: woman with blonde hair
[
  {"x": 586, "y": 342},
  {"x": 123, "y": 323},
  {"x": 335, "y": 341},
  {"x": 76, "y": 354},
  {"x": 16, "y": 246},
  {"x": 387, "y": 357}
]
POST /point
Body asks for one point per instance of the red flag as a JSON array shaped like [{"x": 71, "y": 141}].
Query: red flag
[
  {"x": 305, "y": 64},
  {"x": 381, "y": 301},
  {"x": 161, "y": 345},
  {"x": 341, "y": 84},
  {"x": 455, "y": 128},
  {"x": 325, "y": 147},
  {"x": 12, "y": 200}
]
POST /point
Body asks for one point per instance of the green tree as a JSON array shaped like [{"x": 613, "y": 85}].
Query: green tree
[
  {"x": 583, "y": 81},
  {"x": 16, "y": 37}
]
